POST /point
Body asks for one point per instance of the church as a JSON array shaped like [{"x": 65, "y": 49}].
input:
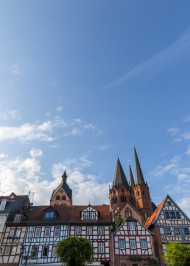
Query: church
[{"x": 29, "y": 234}]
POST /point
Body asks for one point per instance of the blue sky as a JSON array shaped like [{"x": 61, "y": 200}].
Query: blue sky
[{"x": 80, "y": 81}]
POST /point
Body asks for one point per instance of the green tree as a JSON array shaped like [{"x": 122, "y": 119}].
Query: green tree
[
  {"x": 74, "y": 251},
  {"x": 177, "y": 254},
  {"x": 118, "y": 219}
]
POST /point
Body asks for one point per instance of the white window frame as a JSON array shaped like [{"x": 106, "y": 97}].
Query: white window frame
[
  {"x": 143, "y": 243},
  {"x": 32, "y": 253},
  {"x": 57, "y": 229},
  {"x": 89, "y": 230},
  {"x": 54, "y": 254},
  {"x": 38, "y": 235},
  {"x": 46, "y": 229},
  {"x": 13, "y": 251},
  {"x": 100, "y": 230},
  {"x": 18, "y": 232},
  {"x": 92, "y": 215},
  {"x": 78, "y": 230},
  {"x": 86, "y": 215},
  {"x": 131, "y": 226},
  {"x": 133, "y": 244},
  {"x": 17, "y": 217},
  {"x": 121, "y": 243},
  {"x": 101, "y": 248},
  {"x": 3, "y": 204},
  {"x": 11, "y": 232},
  {"x": 7, "y": 248}
]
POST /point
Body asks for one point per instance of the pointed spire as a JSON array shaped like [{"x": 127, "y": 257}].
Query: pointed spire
[
  {"x": 119, "y": 177},
  {"x": 64, "y": 176},
  {"x": 138, "y": 172},
  {"x": 131, "y": 179}
]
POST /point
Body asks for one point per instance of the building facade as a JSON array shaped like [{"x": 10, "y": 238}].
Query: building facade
[
  {"x": 169, "y": 223},
  {"x": 132, "y": 240}
]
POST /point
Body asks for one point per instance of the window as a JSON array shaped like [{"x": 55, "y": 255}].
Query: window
[
  {"x": 176, "y": 231},
  {"x": 11, "y": 232},
  {"x": 132, "y": 244},
  {"x": 63, "y": 198},
  {"x": 100, "y": 230},
  {"x": 92, "y": 216},
  {"x": 128, "y": 213},
  {"x": 38, "y": 231},
  {"x": 77, "y": 230},
  {"x": 49, "y": 215},
  {"x": 34, "y": 252},
  {"x": 101, "y": 247},
  {"x": 122, "y": 190},
  {"x": 86, "y": 215},
  {"x": 172, "y": 215},
  {"x": 57, "y": 232},
  {"x": 132, "y": 226},
  {"x": 2, "y": 206},
  {"x": 13, "y": 252},
  {"x": 17, "y": 218},
  {"x": 121, "y": 243},
  {"x": 178, "y": 215},
  {"x": 186, "y": 231},
  {"x": 44, "y": 251},
  {"x": 143, "y": 244},
  {"x": 7, "y": 250},
  {"x": 169, "y": 203},
  {"x": 18, "y": 231},
  {"x": 89, "y": 230},
  {"x": 167, "y": 215},
  {"x": 167, "y": 231},
  {"x": 57, "y": 197},
  {"x": 47, "y": 231},
  {"x": 54, "y": 252}
]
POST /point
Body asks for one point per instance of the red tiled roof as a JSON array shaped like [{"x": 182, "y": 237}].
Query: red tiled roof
[
  {"x": 154, "y": 216},
  {"x": 15, "y": 197}
]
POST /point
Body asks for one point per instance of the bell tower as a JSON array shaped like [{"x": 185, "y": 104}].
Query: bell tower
[
  {"x": 141, "y": 190},
  {"x": 62, "y": 195}
]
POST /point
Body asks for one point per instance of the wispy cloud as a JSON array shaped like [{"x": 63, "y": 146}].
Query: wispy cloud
[
  {"x": 59, "y": 108},
  {"x": 158, "y": 62},
  {"x": 10, "y": 115},
  {"x": 15, "y": 69},
  {"x": 36, "y": 153}
]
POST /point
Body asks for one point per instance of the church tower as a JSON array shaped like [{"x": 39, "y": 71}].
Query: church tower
[
  {"x": 120, "y": 193},
  {"x": 141, "y": 190},
  {"x": 62, "y": 195}
]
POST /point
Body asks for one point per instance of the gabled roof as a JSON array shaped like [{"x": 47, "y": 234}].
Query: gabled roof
[
  {"x": 12, "y": 197},
  {"x": 119, "y": 176},
  {"x": 63, "y": 185},
  {"x": 150, "y": 220},
  {"x": 104, "y": 214},
  {"x": 138, "y": 172},
  {"x": 132, "y": 219}
]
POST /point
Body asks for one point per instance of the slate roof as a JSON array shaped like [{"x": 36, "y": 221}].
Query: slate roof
[
  {"x": 150, "y": 220},
  {"x": 12, "y": 205},
  {"x": 138, "y": 172},
  {"x": 119, "y": 177},
  {"x": 63, "y": 185},
  {"x": 131, "y": 179},
  {"x": 104, "y": 214}
]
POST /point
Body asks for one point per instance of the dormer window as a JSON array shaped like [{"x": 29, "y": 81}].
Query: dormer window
[
  {"x": 17, "y": 218},
  {"x": 49, "y": 215},
  {"x": 3, "y": 204},
  {"x": 92, "y": 216},
  {"x": 86, "y": 215}
]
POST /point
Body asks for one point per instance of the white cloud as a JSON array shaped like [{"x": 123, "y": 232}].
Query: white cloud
[
  {"x": 59, "y": 108},
  {"x": 173, "y": 131},
  {"x": 15, "y": 69},
  {"x": 3, "y": 156},
  {"x": 9, "y": 115},
  {"x": 184, "y": 205},
  {"x": 23, "y": 175},
  {"x": 36, "y": 153}
]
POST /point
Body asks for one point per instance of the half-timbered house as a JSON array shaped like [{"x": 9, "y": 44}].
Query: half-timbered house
[
  {"x": 169, "y": 223},
  {"x": 12, "y": 233},
  {"x": 132, "y": 240},
  {"x": 94, "y": 223},
  {"x": 45, "y": 227}
]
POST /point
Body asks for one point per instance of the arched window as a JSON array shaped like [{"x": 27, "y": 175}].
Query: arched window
[
  {"x": 138, "y": 193},
  {"x": 57, "y": 197},
  {"x": 114, "y": 192},
  {"x": 114, "y": 200},
  {"x": 143, "y": 192},
  {"x": 122, "y": 190},
  {"x": 128, "y": 213},
  {"x": 63, "y": 197}
]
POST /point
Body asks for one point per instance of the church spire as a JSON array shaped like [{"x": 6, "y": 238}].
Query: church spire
[
  {"x": 64, "y": 177},
  {"x": 131, "y": 179},
  {"x": 119, "y": 177},
  {"x": 138, "y": 172}
]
